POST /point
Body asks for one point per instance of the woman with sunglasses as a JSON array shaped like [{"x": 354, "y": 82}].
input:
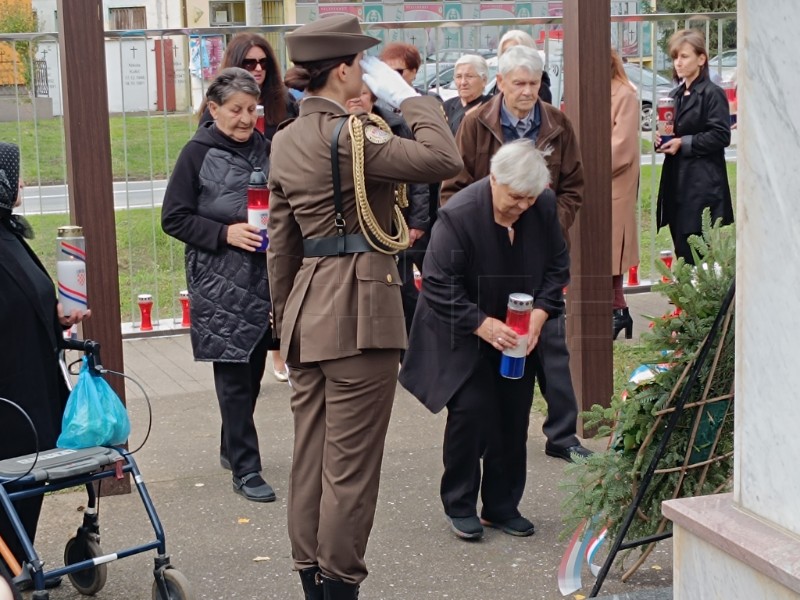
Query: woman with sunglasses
[{"x": 253, "y": 53}]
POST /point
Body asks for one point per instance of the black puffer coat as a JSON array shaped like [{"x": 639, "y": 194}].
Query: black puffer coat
[
  {"x": 228, "y": 287},
  {"x": 696, "y": 177}
]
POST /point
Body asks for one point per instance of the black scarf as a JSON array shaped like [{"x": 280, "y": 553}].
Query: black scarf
[{"x": 9, "y": 190}]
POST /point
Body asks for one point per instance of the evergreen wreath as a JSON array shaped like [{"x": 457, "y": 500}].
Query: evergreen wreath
[{"x": 699, "y": 455}]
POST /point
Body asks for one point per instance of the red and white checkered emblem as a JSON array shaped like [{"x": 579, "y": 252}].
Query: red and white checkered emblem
[
  {"x": 81, "y": 278},
  {"x": 264, "y": 220}
]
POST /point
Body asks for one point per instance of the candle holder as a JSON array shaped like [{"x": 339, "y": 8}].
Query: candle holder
[
  {"x": 186, "y": 320},
  {"x": 146, "y": 308},
  {"x": 633, "y": 275},
  {"x": 666, "y": 258}
]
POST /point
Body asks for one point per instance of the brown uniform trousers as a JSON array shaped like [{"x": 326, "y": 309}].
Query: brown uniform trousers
[{"x": 340, "y": 320}]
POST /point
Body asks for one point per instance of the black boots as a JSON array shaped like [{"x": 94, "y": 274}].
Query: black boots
[
  {"x": 312, "y": 588},
  {"x": 318, "y": 587},
  {"x": 623, "y": 320},
  {"x": 338, "y": 590}
]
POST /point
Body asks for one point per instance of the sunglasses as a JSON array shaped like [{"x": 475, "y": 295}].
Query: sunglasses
[{"x": 251, "y": 63}]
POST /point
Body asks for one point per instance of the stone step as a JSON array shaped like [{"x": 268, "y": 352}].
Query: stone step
[{"x": 653, "y": 594}]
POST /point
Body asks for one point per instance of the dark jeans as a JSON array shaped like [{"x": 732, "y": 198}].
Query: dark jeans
[
  {"x": 238, "y": 385},
  {"x": 488, "y": 419}
]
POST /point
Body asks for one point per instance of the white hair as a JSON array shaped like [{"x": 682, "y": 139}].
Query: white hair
[
  {"x": 522, "y": 167},
  {"x": 519, "y": 37},
  {"x": 477, "y": 62},
  {"x": 520, "y": 57}
]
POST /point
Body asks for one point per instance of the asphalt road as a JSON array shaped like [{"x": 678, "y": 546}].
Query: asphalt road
[{"x": 52, "y": 199}]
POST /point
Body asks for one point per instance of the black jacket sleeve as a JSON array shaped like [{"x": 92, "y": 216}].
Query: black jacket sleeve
[
  {"x": 179, "y": 216},
  {"x": 716, "y": 134},
  {"x": 550, "y": 297},
  {"x": 444, "y": 274}
]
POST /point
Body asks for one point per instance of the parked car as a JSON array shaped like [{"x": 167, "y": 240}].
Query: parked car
[
  {"x": 650, "y": 86},
  {"x": 451, "y": 55},
  {"x": 430, "y": 79},
  {"x": 724, "y": 65}
]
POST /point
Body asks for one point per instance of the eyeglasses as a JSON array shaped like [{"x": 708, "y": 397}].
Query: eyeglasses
[
  {"x": 467, "y": 77},
  {"x": 251, "y": 63}
]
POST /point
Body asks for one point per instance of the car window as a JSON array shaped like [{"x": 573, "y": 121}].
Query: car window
[
  {"x": 729, "y": 59},
  {"x": 644, "y": 77}
]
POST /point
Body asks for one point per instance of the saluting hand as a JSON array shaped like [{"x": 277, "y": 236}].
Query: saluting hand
[
  {"x": 244, "y": 236},
  {"x": 386, "y": 83}
]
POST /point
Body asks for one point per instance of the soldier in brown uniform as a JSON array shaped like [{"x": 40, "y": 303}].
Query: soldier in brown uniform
[{"x": 336, "y": 290}]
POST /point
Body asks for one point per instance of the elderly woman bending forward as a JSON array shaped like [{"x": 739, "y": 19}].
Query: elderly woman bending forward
[{"x": 499, "y": 236}]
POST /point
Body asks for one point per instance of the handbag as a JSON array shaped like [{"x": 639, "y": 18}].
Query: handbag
[{"x": 94, "y": 415}]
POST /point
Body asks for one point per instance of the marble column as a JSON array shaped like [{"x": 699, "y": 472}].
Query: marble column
[{"x": 747, "y": 544}]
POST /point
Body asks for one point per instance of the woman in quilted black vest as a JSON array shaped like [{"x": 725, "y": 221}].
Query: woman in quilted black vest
[{"x": 205, "y": 206}]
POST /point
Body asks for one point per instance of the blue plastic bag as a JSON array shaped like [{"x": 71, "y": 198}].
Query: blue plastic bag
[{"x": 94, "y": 415}]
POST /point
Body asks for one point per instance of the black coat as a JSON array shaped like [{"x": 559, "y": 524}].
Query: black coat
[
  {"x": 696, "y": 177},
  {"x": 29, "y": 371},
  {"x": 468, "y": 273}
]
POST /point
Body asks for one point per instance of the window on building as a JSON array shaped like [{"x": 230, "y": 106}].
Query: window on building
[
  {"x": 127, "y": 18},
  {"x": 272, "y": 11},
  {"x": 226, "y": 13}
]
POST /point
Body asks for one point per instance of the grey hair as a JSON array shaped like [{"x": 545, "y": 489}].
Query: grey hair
[
  {"x": 230, "y": 81},
  {"x": 515, "y": 35},
  {"x": 520, "y": 57},
  {"x": 477, "y": 62},
  {"x": 521, "y": 166}
]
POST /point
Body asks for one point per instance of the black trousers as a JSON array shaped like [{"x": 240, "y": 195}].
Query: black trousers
[
  {"x": 681, "y": 243},
  {"x": 555, "y": 382},
  {"x": 488, "y": 418},
  {"x": 238, "y": 385}
]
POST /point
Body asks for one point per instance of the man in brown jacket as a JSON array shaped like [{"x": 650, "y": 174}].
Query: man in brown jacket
[{"x": 518, "y": 113}]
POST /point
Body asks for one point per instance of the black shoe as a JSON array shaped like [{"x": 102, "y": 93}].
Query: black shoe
[
  {"x": 253, "y": 487},
  {"x": 49, "y": 584},
  {"x": 567, "y": 453},
  {"x": 467, "y": 528},
  {"x": 333, "y": 589},
  {"x": 518, "y": 526},
  {"x": 312, "y": 586},
  {"x": 622, "y": 320},
  {"x": 224, "y": 462}
]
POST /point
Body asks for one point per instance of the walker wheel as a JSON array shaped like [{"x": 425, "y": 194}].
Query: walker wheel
[
  {"x": 178, "y": 586},
  {"x": 88, "y": 581}
]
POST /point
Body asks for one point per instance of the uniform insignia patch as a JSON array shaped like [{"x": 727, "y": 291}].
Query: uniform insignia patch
[{"x": 376, "y": 135}]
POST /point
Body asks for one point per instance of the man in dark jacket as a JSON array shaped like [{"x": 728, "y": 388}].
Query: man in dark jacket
[{"x": 518, "y": 113}]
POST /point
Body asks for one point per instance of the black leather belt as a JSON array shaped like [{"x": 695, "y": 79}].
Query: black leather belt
[{"x": 336, "y": 245}]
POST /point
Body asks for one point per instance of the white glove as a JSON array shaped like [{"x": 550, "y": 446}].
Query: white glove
[{"x": 386, "y": 83}]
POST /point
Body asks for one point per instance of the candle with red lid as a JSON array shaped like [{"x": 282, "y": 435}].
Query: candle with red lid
[
  {"x": 258, "y": 205},
  {"x": 260, "y": 118},
  {"x": 518, "y": 317}
]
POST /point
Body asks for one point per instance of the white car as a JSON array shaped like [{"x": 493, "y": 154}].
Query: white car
[{"x": 724, "y": 65}]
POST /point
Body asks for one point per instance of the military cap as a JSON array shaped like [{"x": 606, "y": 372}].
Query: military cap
[{"x": 328, "y": 37}]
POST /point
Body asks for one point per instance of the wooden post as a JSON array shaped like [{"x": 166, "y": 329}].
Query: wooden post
[
  {"x": 89, "y": 178},
  {"x": 587, "y": 89}
]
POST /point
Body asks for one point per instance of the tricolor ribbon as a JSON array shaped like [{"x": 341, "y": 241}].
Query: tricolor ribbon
[{"x": 583, "y": 544}]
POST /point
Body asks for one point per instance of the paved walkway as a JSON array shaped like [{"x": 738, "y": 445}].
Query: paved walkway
[{"x": 231, "y": 548}]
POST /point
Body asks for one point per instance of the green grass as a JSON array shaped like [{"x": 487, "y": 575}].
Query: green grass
[
  {"x": 142, "y": 147},
  {"x": 149, "y": 261}
]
